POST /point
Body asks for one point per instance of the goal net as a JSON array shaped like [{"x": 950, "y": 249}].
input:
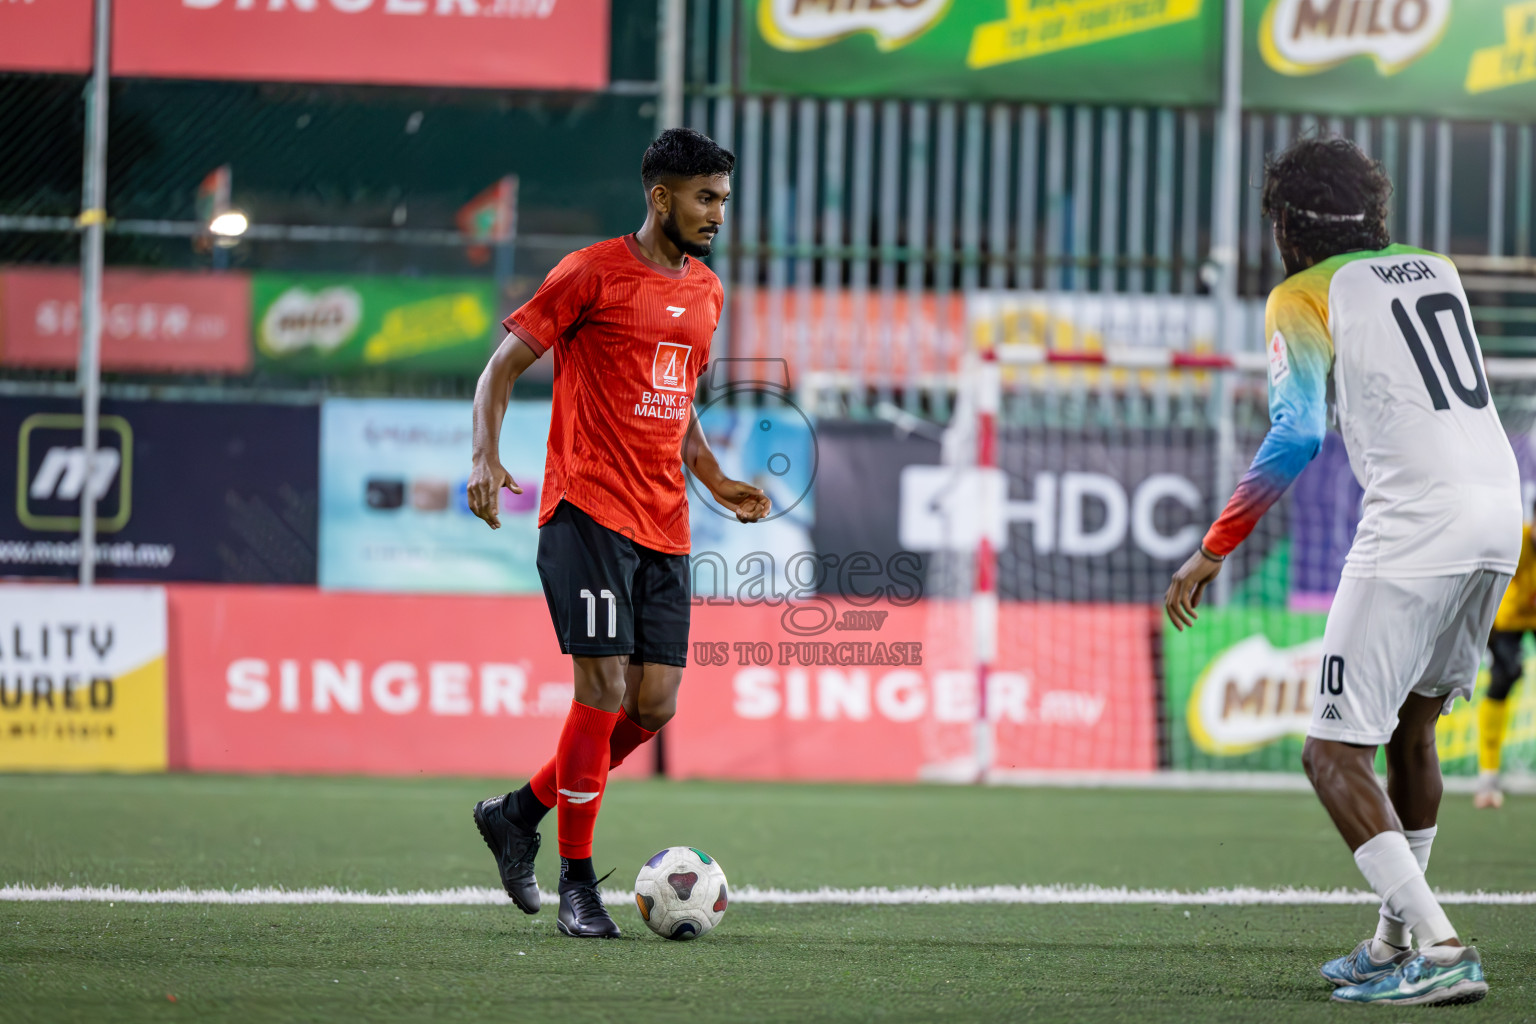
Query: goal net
[{"x": 1073, "y": 484}]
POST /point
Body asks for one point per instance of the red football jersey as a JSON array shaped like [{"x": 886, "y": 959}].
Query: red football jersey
[{"x": 630, "y": 338}]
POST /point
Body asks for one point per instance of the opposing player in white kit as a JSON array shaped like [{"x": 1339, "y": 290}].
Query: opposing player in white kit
[{"x": 1436, "y": 545}]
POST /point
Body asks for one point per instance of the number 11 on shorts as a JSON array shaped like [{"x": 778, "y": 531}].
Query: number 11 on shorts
[{"x": 613, "y": 623}]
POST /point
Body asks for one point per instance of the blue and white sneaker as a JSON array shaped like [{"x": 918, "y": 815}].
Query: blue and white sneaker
[
  {"x": 1359, "y": 967},
  {"x": 1421, "y": 981}
]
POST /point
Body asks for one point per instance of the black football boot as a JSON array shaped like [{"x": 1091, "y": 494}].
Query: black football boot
[
  {"x": 582, "y": 913},
  {"x": 514, "y": 847}
]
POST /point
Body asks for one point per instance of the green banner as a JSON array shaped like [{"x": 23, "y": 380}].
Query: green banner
[
  {"x": 313, "y": 324},
  {"x": 1471, "y": 58},
  {"x": 1095, "y": 51},
  {"x": 1240, "y": 686}
]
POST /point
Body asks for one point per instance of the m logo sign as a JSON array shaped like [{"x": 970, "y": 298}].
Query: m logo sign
[{"x": 53, "y": 473}]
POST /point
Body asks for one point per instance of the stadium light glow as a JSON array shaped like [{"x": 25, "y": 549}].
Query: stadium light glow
[{"x": 229, "y": 224}]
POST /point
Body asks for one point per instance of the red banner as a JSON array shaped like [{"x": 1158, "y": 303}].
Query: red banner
[
  {"x": 1073, "y": 690},
  {"x": 844, "y": 331},
  {"x": 45, "y": 35},
  {"x": 289, "y": 679},
  {"x": 152, "y": 320},
  {"x": 500, "y": 44},
  {"x": 277, "y": 679}
]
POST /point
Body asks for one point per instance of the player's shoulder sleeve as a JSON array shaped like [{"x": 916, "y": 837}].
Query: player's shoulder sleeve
[
  {"x": 1299, "y": 347},
  {"x": 560, "y": 304},
  {"x": 717, "y": 293},
  {"x": 1300, "y": 353}
]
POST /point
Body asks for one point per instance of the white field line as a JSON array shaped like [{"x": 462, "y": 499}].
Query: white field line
[{"x": 1016, "y": 894}]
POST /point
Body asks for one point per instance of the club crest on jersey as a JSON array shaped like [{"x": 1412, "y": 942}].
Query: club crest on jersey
[
  {"x": 669, "y": 370},
  {"x": 1279, "y": 359}
]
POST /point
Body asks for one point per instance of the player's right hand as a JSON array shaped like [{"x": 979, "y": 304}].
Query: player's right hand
[
  {"x": 1188, "y": 587},
  {"x": 486, "y": 480}
]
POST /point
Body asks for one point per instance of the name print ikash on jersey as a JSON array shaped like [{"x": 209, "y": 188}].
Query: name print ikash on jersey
[{"x": 630, "y": 338}]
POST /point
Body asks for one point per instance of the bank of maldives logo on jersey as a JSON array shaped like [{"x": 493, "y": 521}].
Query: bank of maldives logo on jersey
[
  {"x": 669, "y": 370},
  {"x": 1303, "y": 37}
]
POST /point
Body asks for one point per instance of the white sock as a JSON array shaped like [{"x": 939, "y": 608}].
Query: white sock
[
  {"x": 1388, "y": 863},
  {"x": 1390, "y": 929}
]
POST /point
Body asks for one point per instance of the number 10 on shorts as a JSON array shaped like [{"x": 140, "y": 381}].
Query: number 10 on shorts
[
  {"x": 1331, "y": 681},
  {"x": 613, "y": 618}
]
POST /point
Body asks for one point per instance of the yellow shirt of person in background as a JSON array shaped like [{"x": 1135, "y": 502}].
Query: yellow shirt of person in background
[
  {"x": 1517, "y": 612},
  {"x": 1516, "y": 617}
]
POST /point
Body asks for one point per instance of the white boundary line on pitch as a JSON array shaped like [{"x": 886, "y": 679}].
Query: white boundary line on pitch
[{"x": 1007, "y": 894}]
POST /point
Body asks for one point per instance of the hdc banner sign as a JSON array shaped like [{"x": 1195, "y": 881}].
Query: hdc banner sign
[
  {"x": 493, "y": 44},
  {"x": 82, "y": 678},
  {"x": 1097, "y": 51}
]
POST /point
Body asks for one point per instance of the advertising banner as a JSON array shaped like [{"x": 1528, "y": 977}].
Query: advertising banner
[
  {"x": 878, "y": 690},
  {"x": 1092, "y": 51},
  {"x": 1088, "y": 515},
  {"x": 82, "y": 678},
  {"x": 185, "y": 490},
  {"x": 287, "y": 679},
  {"x": 1471, "y": 58},
  {"x": 490, "y": 44},
  {"x": 278, "y": 679},
  {"x": 393, "y": 510},
  {"x": 317, "y": 324},
  {"x": 1083, "y": 322},
  {"x": 1241, "y": 683},
  {"x": 881, "y": 337},
  {"x": 394, "y": 516},
  {"x": 46, "y": 35},
  {"x": 152, "y": 320}
]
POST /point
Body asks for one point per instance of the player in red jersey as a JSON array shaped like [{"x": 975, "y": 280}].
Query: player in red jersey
[{"x": 629, "y": 321}]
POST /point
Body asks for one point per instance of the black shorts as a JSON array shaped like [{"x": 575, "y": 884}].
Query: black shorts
[{"x": 608, "y": 595}]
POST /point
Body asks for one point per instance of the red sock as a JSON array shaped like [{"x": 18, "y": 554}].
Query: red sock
[
  {"x": 581, "y": 766},
  {"x": 543, "y": 783},
  {"x": 626, "y": 737}
]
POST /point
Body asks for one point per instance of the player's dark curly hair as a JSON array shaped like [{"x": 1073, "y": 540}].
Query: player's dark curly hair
[
  {"x": 684, "y": 153},
  {"x": 1328, "y": 197}
]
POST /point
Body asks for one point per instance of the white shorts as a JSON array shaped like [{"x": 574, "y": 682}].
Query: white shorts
[{"x": 1387, "y": 638}]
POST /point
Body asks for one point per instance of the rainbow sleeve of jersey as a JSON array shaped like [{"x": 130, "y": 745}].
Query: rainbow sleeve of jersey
[{"x": 1300, "y": 356}]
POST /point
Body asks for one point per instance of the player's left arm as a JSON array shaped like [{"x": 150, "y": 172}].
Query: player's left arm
[
  {"x": 749, "y": 503},
  {"x": 1298, "y": 415}
]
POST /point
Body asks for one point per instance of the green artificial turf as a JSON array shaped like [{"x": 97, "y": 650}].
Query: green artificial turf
[{"x": 125, "y": 962}]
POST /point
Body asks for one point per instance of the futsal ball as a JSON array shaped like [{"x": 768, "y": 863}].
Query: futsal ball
[{"x": 681, "y": 893}]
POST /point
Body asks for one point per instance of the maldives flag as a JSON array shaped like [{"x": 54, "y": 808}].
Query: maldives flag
[{"x": 489, "y": 218}]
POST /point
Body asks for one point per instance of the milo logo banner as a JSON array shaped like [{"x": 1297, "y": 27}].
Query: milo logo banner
[
  {"x": 308, "y": 324},
  {"x": 82, "y": 678},
  {"x": 1110, "y": 51},
  {"x": 1470, "y": 58},
  {"x": 1240, "y": 687}
]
